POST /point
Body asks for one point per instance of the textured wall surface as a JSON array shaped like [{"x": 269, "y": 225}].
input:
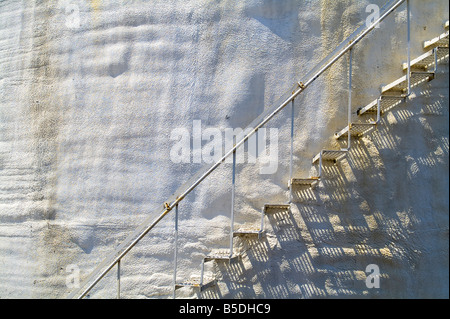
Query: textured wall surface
[{"x": 90, "y": 92}]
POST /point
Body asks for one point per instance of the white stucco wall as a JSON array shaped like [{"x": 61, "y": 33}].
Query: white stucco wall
[{"x": 86, "y": 113}]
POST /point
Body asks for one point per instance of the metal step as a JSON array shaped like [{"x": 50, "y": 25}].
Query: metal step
[
  {"x": 248, "y": 232},
  {"x": 196, "y": 283},
  {"x": 439, "y": 41},
  {"x": 387, "y": 102},
  {"x": 221, "y": 256},
  {"x": 329, "y": 155},
  {"x": 426, "y": 61},
  {"x": 356, "y": 130},
  {"x": 303, "y": 181},
  {"x": 276, "y": 207},
  {"x": 401, "y": 85}
]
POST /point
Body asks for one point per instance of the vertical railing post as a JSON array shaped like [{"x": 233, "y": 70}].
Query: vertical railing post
[
  {"x": 202, "y": 273},
  {"x": 435, "y": 52},
  {"x": 175, "y": 253},
  {"x": 118, "y": 279},
  {"x": 257, "y": 143},
  {"x": 233, "y": 186},
  {"x": 379, "y": 109},
  {"x": 320, "y": 163},
  {"x": 292, "y": 153},
  {"x": 408, "y": 18},
  {"x": 262, "y": 223},
  {"x": 349, "y": 114}
]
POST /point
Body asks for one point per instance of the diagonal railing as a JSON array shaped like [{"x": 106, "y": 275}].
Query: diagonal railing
[{"x": 149, "y": 223}]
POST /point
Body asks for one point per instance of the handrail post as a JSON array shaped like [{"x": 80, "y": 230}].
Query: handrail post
[
  {"x": 262, "y": 223},
  {"x": 349, "y": 114},
  {"x": 378, "y": 110},
  {"x": 233, "y": 186},
  {"x": 292, "y": 152},
  {"x": 175, "y": 253},
  {"x": 118, "y": 279},
  {"x": 202, "y": 273},
  {"x": 435, "y": 52},
  {"x": 320, "y": 164},
  {"x": 408, "y": 18}
]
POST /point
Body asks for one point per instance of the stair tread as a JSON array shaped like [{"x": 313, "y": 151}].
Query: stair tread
[
  {"x": 221, "y": 255},
  {"x": 248, "y": 231},
  {"x": 401, "y": 84},
  {"x": 426, "y": 60},
  {"x": 277, "y": 206},
  {"x": 304, "y": 181},
  {"x": 196, "y": 283},
  {"x": 357, "y": 129},
  {"x": 439, "y": 41},
  {"x": 387, "y": 102},
  {"x": 330, "y": 155}
]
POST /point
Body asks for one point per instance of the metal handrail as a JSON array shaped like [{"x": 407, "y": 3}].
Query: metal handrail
[{"x": 149, "y": 223}]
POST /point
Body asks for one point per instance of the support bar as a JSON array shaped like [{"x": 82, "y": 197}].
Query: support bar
[
  {"x": 408, "y": 15},
  {"x": 175, "y": 253},
  {"x": 292, "y": 152},
  {"x": 349, "y": 114},
  {"x": 118, "y": 279},
  {"x": 233, "y": 186}
]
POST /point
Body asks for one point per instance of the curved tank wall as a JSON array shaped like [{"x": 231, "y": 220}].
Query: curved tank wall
[{"x": 91, "y": 92}]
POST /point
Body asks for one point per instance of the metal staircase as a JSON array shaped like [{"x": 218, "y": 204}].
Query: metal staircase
[{"x": 418, "y": 70}]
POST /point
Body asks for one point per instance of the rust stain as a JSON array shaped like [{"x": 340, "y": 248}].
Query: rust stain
[
  {"x": 95, "y": 4},
  {"x": 44, "y": 112},
  {"x": 45, "y": 121}
]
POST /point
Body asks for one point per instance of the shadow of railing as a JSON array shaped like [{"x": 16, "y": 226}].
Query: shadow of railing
[{"x": 360, "y": 213}]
